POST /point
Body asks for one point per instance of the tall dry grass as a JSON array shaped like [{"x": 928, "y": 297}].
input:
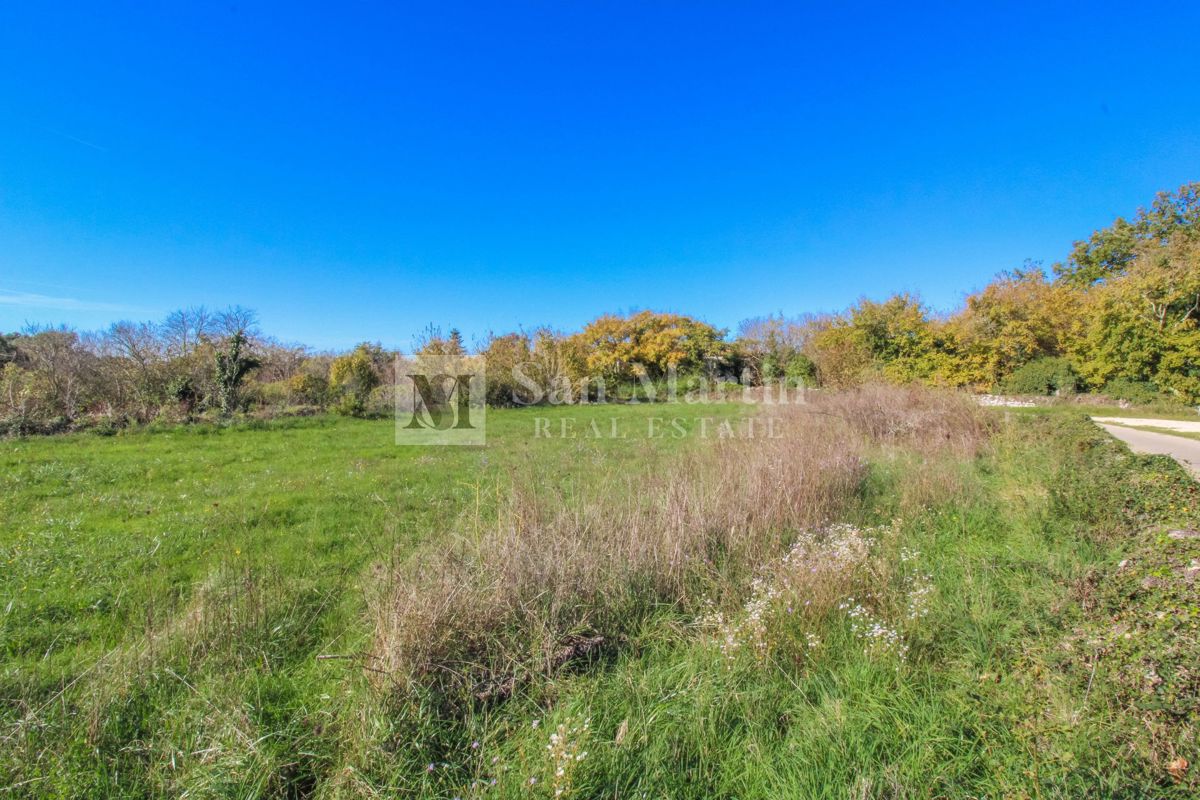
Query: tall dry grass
[
  {"x": 554, "y": 578},
  {"x": 922, "y": 419}
]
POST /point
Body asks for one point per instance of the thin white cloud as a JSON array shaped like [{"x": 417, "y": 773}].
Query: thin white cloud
[
  {"x": 77, "y": 140},
  {"x": 31, "y": 300}
]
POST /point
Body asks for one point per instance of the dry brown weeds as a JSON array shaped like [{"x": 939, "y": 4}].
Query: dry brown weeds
[{"x": 509, "y": 595}]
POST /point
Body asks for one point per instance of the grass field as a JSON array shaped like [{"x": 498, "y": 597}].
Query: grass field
[
  {"x": 1173, "y": 411},
  {"x": 217, "y": 612}
]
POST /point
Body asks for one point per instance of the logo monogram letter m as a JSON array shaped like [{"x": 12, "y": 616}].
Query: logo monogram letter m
[{"x": 436, "y": 397}]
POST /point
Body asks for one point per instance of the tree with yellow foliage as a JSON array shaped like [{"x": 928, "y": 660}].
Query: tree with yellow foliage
[
  {"x": 1019, "y": 317},
  {"x": 623, "y": 349},
  {"x": 354, "y": 375}
]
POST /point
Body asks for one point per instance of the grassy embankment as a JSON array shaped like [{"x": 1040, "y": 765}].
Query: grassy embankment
[{"x": 1008, "y": 618}]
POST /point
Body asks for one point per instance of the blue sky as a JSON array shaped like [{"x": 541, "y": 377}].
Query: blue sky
[{"x": 362, "y": 171}]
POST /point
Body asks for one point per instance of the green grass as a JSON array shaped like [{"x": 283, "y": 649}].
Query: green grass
[
  {"x": 1019, "y": 682},
  {"x": 1163, "y": 410},
  {"x": 108, "y": 542},
  {"x": 1012, "y": 687}
]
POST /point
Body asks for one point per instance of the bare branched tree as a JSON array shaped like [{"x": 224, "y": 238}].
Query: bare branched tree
[
  {"x": 63, "y": 361},
  {"x": 234, "y": 320},
  {"x": 183, "y": 329}
]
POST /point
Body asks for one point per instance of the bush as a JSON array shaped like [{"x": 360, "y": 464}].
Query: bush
[
  {"x": 350, "y": 405},
  {"x": 1140, "y": 392},
  {"x": 355, "y": 376},
  {"x": 381, "y": 402},
  {"x": 800, "y": 370},
  {"x": 273, "y": 395},
  {"x": 110, "y": 425},
  {"x": 184, "y": 391},
  {"x": 307, "y": 388},
  {"x": 1050, "y": 375}
]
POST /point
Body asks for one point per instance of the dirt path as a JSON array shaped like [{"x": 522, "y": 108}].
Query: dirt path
[{"x": 1185, "y": 451}]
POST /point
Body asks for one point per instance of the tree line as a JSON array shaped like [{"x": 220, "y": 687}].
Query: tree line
[{"x": 1120, "y": 316}]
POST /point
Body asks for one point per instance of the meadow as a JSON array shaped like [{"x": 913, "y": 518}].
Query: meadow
[{"x": 902, "y": 596}]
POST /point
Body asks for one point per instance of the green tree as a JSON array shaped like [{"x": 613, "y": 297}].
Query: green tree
[
  {"x": 898, "y": 335},
  {"x": 232, "y": 365},
  {"x": 1109, "y": 252},
  {"x": 773, "y": 347},
  {"x": 894, "y": 340},
  {"x": 1144, "y": 325}
]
